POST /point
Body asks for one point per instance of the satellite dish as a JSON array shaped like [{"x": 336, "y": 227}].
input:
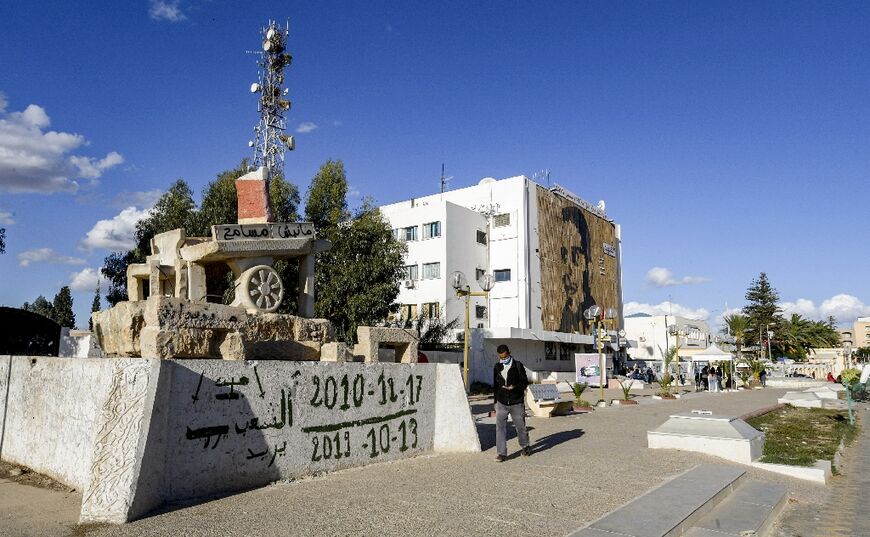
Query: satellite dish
[
  {"x": 267, "y": 45},
  {"x": 601, "y": 205},
  {"x": 487, "y": 180},
  {"x": 255, "y": 87},
  {"x": 271, "y": 33},
  {"x": 250, "y": 143},
  {"x": 285, "y": 105}
]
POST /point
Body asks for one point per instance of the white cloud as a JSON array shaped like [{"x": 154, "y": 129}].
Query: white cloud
[
  {"x": 353, "y": 192},
  {"x": 35, "y": 160},
  {"x": 843, "y": 308},
  {"x": 665, "y": 308},
  {"x": 84, "y": 280},
  {"x": 116, "y": 233},
  {"x": 662, "y": 277},
  {"x": 47, "y": 255},
  {"x": 92, "y": 168},
  {"x": 6, "y": 218},
  {"x": 306, "y": 126},
  {"x": 166, "y": 11}
]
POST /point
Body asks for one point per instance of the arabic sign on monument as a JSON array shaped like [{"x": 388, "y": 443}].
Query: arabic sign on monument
[{"x": 280, "y": 230}]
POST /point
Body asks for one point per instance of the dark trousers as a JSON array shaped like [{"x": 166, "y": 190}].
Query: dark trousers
[{"x": 518, "y": 416}]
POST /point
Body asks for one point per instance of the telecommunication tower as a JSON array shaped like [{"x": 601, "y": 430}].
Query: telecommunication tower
[{"x": 270, "y": 142}]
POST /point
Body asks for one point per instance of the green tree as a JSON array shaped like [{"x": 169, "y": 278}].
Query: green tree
[
  {"x": 762, "y": 309},
  {"x": 95, "y": 306},
  {"x": 2, "y": 240},
  {"x": 326, "y": 204},
  {"x": 115, "y": 271},
  {"x": 797, "y": 336},
  {"x": 357, "y": 280},
  {"x": 63, "y": 308},
  {"x": 41, "y": 306},
  {"x": 738, "y": 326}
]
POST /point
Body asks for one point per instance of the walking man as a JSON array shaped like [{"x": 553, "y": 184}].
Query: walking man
[{"x": 509, "y": 381}]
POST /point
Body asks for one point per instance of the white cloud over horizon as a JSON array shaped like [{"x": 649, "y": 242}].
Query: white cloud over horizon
[
  {"x": 666, "y": 308},
  {"x": 306, "y": 126},
  {"x": 84, "y": 280},
  {"x": 116, "y": 233},
  {"x": 161, "y": 10},
  {"x": 844, "y": 308},
  {"x": 47, "y": 255},
  {"x": 36, "y": 160},
  {"x": 6, "y": 218},
  {"x": 662, "y": 277}
]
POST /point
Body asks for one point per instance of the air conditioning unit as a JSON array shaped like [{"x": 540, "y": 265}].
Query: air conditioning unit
[{"x": 409, "y": 284}]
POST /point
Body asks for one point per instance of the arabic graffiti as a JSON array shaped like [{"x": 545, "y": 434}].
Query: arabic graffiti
[
  {"x": 287, "y": 230},
  {"x": 375, "y": 413}
]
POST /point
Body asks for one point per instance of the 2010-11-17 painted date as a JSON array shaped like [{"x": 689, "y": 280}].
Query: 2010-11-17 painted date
[
  {"x": 346, "y": 392},
  {"x": 379, "y": 440}
]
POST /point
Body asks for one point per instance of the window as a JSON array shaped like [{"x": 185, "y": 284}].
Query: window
[
  {"x": 409, "y": 311},
  {"x": 501, "y": 220},
  {"x": 410, "y": 273},
  {"x": 430, "y": 310},
  {"x": 432, "y": 229},
  {"x": 566, "y": 350},
  {"x": 480, "y": 312},
  {"x": 478, "y": 274},
  {"x": 549, "y": 350},
  {"x": 502, "y": 275},
  {"x": 409, "y": 233},
  {"x": 431, "y": 270},
  {"x": 481, "y": 237},
  {"x": 397, "y": 234}
]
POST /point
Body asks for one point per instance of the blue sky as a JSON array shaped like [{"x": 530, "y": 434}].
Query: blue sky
[{"x": 727, "y": 138}]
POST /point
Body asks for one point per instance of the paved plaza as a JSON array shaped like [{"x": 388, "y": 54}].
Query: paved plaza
[{"x": 583, "y": 466}]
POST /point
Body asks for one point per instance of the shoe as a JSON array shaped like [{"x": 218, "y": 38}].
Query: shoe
[
  {"x": 501, "y": 458},
  {"x": 527, "y": 451}
]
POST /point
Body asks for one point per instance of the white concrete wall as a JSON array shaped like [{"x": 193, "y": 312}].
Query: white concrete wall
[
  {"x": 133, "y": 433},
  {"x": 48, "y": 411}
]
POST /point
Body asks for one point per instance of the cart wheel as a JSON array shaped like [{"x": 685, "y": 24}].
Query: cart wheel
[{"x": 261, "y": 288}]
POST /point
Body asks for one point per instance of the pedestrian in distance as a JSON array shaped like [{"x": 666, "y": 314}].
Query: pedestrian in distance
[{"x": 510, "y": 382}]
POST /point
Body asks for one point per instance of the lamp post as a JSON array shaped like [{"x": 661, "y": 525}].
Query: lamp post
[
  {"x": 460, "y": 285},
  {"x": 769, "y": 335},
  {"x": 594, "y": 313},
  {"x": 675, "y": 331}
]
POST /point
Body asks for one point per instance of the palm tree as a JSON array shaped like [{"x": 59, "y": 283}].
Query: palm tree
[
  {"x": 798, "y": 336},
  {"x": 738, "y": 326}
]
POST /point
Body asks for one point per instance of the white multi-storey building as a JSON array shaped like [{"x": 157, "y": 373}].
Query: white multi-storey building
[{"x": 552, "y": 256}]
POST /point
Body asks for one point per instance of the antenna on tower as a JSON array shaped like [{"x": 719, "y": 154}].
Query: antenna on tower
[
  {"x": 541, "y": 175},
  {"x": 445, "y": 181},
  {"x": 270, "y": 142}
]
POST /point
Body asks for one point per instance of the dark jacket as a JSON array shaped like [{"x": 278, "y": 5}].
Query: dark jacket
[{"x": 516, "y": 377}]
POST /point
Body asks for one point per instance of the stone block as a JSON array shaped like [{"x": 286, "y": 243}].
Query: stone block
[
  {"x": 371, "y": 338},
  {"x": 335, "y": 352},
  {"x": 169, "y": 327},
  {"x": 722, "y": 436},
  {"x": 118, "y": 328}
]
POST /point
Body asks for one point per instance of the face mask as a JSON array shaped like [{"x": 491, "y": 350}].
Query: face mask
[{"x": 506, "y": 361}]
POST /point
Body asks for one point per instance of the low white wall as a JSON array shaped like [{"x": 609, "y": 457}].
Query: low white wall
[
  {"x": 48, "y": 408},
  {"x": 134, "y": 433}
]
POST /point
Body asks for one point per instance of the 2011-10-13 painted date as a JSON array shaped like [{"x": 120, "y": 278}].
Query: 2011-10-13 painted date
[
  {"x": 379, "y": 440},
  {"x": 330, "y": 392}
]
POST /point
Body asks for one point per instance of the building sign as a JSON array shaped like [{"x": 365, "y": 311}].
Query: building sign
[
  {"x": 279, "y": 230},
  {"x": 587, "y": 369},
  {"x": 609, "y": 249}
]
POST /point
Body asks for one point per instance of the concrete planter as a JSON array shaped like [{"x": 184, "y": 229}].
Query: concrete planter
[
  {"x": 623, "y": 402},
  {"x": 666, "y": 397}
]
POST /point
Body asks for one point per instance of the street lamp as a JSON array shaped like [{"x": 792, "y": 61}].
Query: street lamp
[
  {"x": 594, "y": 313},
  {"x": 676, "y": 331},
  {"x": 460, "y": 285},
  {"x": 769, "y": 335}
]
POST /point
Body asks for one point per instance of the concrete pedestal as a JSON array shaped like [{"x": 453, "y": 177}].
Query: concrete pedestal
[{"x": 723, "y": 436}]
